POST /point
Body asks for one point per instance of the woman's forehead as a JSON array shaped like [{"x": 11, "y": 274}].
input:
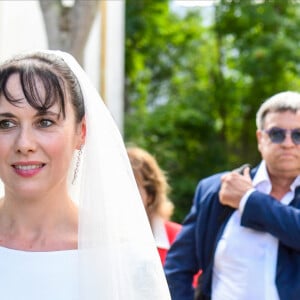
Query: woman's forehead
[
  {"x": 16, "y": 94},
  {"x": 14, "y": 85}
]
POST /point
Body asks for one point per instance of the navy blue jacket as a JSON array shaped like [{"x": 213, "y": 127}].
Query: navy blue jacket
[{"x": 195, "y": 245}]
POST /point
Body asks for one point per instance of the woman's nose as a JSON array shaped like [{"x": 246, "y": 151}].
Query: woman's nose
[{"x": 25, "y": 141}]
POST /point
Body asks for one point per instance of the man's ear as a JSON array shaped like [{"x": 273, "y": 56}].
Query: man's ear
[{"x": 259, "y": 137}]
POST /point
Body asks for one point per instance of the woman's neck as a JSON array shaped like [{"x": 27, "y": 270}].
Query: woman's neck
[{"x": 38, "y": 226}]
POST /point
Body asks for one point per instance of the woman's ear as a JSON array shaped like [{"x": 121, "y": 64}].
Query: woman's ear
[{"x": 81, "y": 134}]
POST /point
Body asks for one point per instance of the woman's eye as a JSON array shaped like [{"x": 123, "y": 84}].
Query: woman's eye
[
  {"x": 6, "y": 124},
  {"x": 45, "y": 123}
]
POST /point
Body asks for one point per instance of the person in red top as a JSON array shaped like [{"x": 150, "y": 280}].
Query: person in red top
[{"x": 154, "y": 188}]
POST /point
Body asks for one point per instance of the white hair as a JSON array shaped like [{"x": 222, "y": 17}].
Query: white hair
[{"x": 284, "y": 101}]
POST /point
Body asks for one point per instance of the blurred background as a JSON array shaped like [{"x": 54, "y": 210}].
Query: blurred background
[{"x": 183, "y": 79}]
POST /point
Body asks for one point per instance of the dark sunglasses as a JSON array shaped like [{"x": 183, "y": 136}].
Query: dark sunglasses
[{"x": 277, "y": 135}]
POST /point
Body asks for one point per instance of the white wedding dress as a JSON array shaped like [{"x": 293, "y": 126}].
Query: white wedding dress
[{"x": 28, "y": 275}]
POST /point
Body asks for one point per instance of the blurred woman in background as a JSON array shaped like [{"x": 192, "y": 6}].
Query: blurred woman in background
[{"x": 154, "y": 189}]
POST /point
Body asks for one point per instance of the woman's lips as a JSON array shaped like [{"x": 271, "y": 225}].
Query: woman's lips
[{"x": 28, "y": 169}]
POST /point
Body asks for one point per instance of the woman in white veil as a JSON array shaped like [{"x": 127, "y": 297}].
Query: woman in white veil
[{"x": 118, "y": 259}]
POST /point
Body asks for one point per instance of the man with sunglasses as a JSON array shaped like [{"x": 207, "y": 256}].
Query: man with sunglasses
[{"x": 243, "y": 230}]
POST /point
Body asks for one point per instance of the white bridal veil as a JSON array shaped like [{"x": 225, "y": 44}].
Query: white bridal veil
[{"x": 118, "y": 256}]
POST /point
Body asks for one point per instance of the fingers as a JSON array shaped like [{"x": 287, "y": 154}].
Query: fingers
[
  {"x": 233, "y": 186},
  {"x": 246, "y": 173}
]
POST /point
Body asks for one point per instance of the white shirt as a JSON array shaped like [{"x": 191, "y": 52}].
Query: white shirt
[
  {"x": 245, "y": 259},
  {"x": 159, "y": 232},
  {"x": 28, "y": 275}
]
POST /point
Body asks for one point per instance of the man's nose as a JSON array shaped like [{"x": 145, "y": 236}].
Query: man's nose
[{"x": 288, "y": 141}]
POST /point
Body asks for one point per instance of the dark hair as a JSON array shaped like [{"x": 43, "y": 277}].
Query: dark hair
[{"x": 49, "y": 70}]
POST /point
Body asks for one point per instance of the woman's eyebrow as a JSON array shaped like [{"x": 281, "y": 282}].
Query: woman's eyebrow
[
  {"x": 7, "y": 115},
  {"x": 38, "y": 114},
  {"x": 47, "y": 113}
]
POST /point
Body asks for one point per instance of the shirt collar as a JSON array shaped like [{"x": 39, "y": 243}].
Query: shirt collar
[
  {"x": 262, "y": 182},
  {"x": 159, "y": 232}
]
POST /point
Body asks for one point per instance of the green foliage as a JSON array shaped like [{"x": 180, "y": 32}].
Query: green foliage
[
  {"x": 263, "y": 51},
  {"x": 192, "y": 90}
]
